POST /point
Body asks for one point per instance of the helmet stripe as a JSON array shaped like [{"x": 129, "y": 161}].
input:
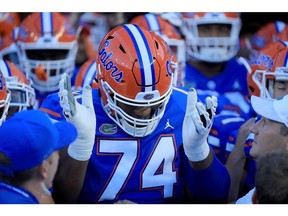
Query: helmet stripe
[
  {"x": 15, "y": 32},
  {"x": 153, "y": 23},
  {"x": 89, "y": 76},
  {"x": 5, "y": 69},
  {"x": 47, "y": 23},
  {"x": 286, "y": 60},
  {"x": 144, "y": 56},
  {"x": 284, "y": 43}
]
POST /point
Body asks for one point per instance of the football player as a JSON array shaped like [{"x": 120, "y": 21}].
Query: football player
[
  {"x": 149, "y": 139},
  {"x": 212, "y": 42},
  {"x": 48, "y": 46}
]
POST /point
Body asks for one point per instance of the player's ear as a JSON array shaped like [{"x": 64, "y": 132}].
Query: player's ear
[
  {"x": 43, "y": 169},
  {"x": 255, "y": 198}
]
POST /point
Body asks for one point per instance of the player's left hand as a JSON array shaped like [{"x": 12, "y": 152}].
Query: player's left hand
[{"x": 196, "y": 126}]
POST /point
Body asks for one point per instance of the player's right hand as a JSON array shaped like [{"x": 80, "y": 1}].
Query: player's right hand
[
  {"x": 82, "y": 116},
  {"x": 196, "y": 126}
]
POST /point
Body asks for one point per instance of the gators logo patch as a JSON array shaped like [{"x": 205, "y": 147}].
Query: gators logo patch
[{"x": 108, "y": 128}]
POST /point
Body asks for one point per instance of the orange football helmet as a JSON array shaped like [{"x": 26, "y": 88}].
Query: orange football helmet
[
  {"x": 86, "y": 76},
  {"x": 48, "y": 46},
  {"x": 169, "y": 33},
  {"x": 9, "y": 49},
  {"x": 5, "y": 97},
  {"x": 211, "y": 49},
  {"x": 265, "y": 69},
  {"x": 22, "y": 94},
  {"x": 266, "y": 34},
  {"x": 8, "y": 21},
  {"x": 134, "y": 68}
]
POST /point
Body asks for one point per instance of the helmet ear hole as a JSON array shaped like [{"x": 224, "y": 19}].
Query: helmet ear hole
[
  {"x": 156, "y": 43},
  {"x": 122, "y": 49}
]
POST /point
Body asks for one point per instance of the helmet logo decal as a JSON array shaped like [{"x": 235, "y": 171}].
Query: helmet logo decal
[
  {"x": 148, "y": 96},
  {"x": 263, "y": 59},
  {"x": 108, "y": 64}
]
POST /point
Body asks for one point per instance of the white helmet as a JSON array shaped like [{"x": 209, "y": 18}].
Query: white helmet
[
  {"x": 211, "y": 49},
  {"x": 22, "y": 94},
  {"x": 48, "y": 46}
]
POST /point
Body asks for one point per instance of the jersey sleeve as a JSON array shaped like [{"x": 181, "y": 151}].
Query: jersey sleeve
[{"x": 210, "y": 185}]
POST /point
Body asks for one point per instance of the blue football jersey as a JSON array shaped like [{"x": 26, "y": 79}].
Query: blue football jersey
[
  {"x": 40, "y": 97},
  {"x": 142, "y": 170},
  {"x": 231, "y": 79},
  {"x": 15, "y": 195},
  {"x": 219, "y": 139}
]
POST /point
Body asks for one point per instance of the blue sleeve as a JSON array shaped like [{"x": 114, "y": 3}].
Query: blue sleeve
[{"x": 210, "y": 185}]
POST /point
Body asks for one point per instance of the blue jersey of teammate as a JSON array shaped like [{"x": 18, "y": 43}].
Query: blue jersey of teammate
[
  {"x": 14, "y": 195},
  {"x": 151, "y": 169},
  {"x": 231, "y": 79},
  {"x": 223, "y": 134},
  {"x": 232, "y": 111},
  {"x": 218, "y": 138}
]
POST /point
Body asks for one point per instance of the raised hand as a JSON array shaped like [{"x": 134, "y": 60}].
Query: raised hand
[
  {"x": 82, "y": 116},
  {"x": 196, "y": 126}
]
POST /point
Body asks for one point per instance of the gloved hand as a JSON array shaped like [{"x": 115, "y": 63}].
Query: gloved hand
[
  {"x": 82, "y": 116},
  {"x": 196, "y": 126}
]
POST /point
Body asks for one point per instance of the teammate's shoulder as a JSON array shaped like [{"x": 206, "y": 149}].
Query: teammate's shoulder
[
  {"x": 178, "y": 99},
  {"x": 242, "y": 62},
  {"x": 180, "y": 90}
]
